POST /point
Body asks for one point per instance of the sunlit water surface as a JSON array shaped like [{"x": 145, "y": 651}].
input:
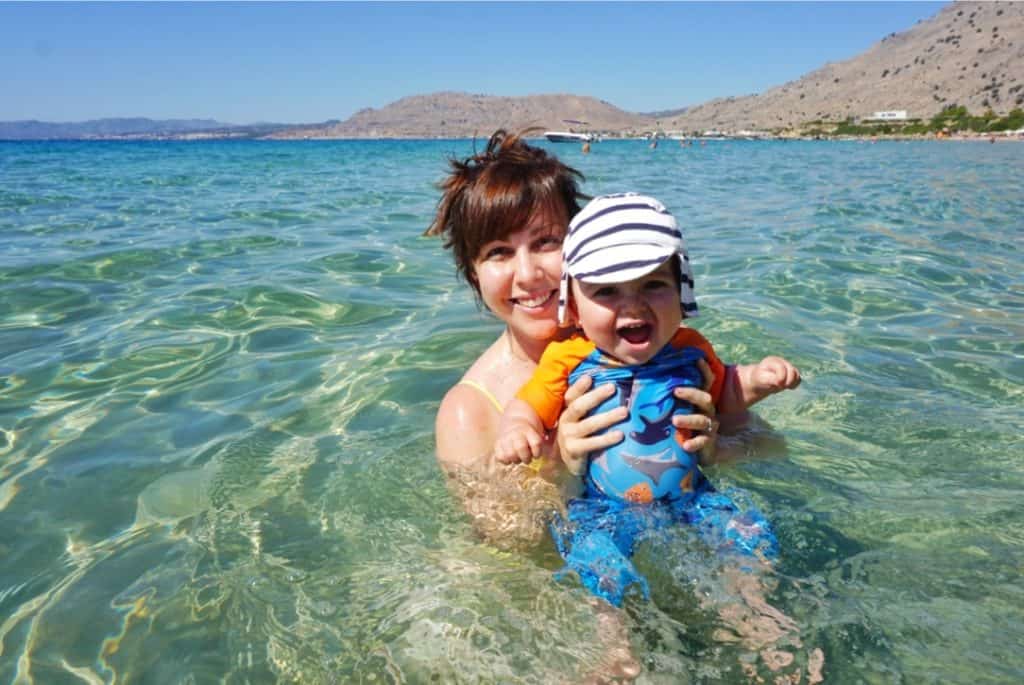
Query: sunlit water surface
[{"x": 220, "y": 362}]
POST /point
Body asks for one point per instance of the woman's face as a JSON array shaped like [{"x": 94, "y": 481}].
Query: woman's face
[{"x": 519, "y": 275}]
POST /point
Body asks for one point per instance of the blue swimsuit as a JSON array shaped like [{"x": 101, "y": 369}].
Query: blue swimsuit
[{"x": 648, "y": 481}]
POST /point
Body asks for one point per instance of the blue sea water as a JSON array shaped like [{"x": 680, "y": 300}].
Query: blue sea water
[{"x": 220, "y": 362}]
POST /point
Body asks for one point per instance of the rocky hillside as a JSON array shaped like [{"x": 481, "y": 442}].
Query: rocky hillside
[
  {"x": 969, "y": 54},
  {"x": 460, "y": 115}
]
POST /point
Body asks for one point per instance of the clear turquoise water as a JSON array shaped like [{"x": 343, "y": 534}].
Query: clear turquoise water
[{"x": 219, "y": 366}]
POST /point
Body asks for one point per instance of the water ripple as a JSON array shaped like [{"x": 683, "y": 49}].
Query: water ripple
[{"x": 219, "y": 365}]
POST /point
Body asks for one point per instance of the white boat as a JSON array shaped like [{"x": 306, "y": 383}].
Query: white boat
[
  {"x": 571, "y": 136},
  {"x": 568, "y": 137}
]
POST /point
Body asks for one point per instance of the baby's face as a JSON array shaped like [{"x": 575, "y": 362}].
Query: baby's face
[{"x": 631, "y": 321}]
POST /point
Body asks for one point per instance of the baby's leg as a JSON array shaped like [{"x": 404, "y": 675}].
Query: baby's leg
[
  {"x": 596, "y": 543},
  {"x": 747, "y": 544},
  {"x": 771, "y": 635}
]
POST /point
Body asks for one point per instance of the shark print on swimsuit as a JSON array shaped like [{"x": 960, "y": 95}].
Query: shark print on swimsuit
[{"x": 650, "y": 463}]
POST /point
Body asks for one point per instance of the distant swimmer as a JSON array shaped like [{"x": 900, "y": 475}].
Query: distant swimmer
[{"x": 586, "y": 147}]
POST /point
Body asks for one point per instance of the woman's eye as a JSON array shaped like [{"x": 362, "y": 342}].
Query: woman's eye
[
  {"x": 498, "y": 252},
  {"x": 549, "y": 241}
]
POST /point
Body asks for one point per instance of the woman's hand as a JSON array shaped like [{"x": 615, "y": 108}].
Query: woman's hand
[
  {"x": 576, "y": 430},
  {"x": 702, "y": 424}
]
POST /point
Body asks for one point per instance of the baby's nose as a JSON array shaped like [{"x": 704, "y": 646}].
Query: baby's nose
[{"x": 634, "y": 302}]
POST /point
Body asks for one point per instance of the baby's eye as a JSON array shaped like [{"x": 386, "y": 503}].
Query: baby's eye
[
  {"x": 605, "y": 291},
  {"x": 656, "y": 285}
]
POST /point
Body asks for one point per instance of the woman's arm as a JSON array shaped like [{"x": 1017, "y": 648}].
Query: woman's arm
[{"x": 506, "y": 504}]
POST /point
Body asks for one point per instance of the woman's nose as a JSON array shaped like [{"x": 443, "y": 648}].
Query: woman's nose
[{"x": 527, "y": 267}]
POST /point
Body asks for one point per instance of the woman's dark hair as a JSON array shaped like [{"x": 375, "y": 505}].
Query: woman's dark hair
[{"x": 493, "y": 194}]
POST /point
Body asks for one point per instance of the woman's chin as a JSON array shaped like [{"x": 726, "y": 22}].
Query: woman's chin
[{"x": 536, "y": 328}]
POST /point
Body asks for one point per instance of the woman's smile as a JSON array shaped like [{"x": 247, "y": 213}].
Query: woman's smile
[{"x": 536, "y": 301}]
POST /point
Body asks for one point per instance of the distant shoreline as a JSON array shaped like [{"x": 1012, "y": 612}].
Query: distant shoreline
[{"x": 955, "y": 138}]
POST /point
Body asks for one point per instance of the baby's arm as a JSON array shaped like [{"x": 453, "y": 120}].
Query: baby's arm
[
  {"x": 748, "y": 384},
  {"x": 520, "y": 434}
]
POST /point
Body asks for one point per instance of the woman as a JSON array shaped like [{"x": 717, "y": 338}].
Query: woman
[{"x": 504, "y": 213}]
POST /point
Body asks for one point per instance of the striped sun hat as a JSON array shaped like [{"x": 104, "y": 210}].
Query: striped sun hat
[{"x": 617, "y": 238}]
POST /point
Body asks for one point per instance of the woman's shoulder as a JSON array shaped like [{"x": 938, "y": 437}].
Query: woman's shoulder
[
  {"x": 466, "y": 424},
  {"x": 469, "y": 401}
]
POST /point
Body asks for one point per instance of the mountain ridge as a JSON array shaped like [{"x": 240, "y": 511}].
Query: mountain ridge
[{"x": 962, "y": 55}]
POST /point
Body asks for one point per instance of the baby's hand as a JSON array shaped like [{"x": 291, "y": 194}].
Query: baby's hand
[
  {"x": 774, "y": 374},
  {"x": 520, "y": 443}
]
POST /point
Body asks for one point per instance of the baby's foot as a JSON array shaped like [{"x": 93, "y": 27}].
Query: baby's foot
[{"x": 617, "y": 664}]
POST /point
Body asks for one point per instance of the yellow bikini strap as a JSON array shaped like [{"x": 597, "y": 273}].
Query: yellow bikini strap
[{"x": 483, "y": 391}]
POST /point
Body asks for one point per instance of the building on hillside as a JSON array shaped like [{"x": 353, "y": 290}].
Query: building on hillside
[{"x": 893, "y": 115}]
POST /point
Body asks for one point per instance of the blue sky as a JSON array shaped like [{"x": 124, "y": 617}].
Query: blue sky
[{"x": 309, "y": 62}]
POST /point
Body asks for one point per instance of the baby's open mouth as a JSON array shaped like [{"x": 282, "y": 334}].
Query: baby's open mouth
[{"x": 636, "y": 334}]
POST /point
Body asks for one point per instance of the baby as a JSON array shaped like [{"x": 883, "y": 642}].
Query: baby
[{"x": 627, "y": 283}]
